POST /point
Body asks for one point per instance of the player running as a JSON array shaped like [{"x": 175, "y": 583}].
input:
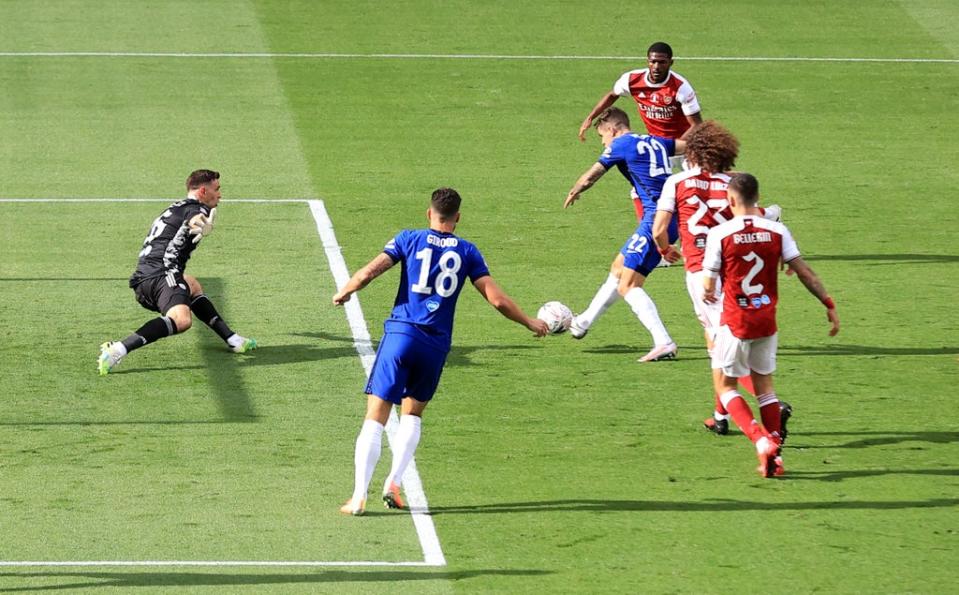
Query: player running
[
  {"x": 698, "y": 197},
  {"x": 643, "y": 160},
  {"x": 435, "y": 266},
  {"x": 745, "y": 252},
  {"x": 160, "y": 283}
]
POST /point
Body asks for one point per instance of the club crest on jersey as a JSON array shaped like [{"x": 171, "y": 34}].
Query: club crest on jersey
[
  {"x": 667, "y": 99},
  {"x": 432, "y": 306}
]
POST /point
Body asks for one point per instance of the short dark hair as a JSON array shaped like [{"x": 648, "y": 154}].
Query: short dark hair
[
  {"x": 660, "y": 47},
  {"x": 712, "y": 147},
  {"x": 747, "y": 187},
  {"x": 613, "y": 116},
  {"x": 201, "y": 177},
  {"x": 445, "y": 202}
]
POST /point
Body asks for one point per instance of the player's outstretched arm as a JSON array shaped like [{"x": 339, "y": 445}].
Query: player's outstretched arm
[
  {"x": 362, "y": 278},
  {"x": 584, "y": 182},
  {"x": 507, "y": 307},
  {"x": 606, "y": 101},
  {"x": 694, "y": 121},
  {"x": 815, "y": 287}
]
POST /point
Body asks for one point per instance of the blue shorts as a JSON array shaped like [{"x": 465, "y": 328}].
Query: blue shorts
[
  {"x": 640, "y": 253},
  {"x": 405, "y": 367}
]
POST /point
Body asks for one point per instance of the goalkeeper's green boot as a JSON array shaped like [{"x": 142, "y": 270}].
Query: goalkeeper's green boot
[
  {"x": 244, "y": 345},
  {"x": 110, "y": 356}
]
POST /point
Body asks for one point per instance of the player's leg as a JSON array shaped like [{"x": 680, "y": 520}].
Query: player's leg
[
  {"x": 708, "y": 316},
  {"x": 731, "y": 357},
  {"x": 384, "y": 389},
  {"x": 762, "y": 361},
  {"x": 425, "y": 371},
  {"x": 639, "y": 259},
  {"x": 204, "y": 309},
  {"x": 606, "y": 296},
  {"x": 167, "y": 294},
  {"x": 404, "y": 447}
]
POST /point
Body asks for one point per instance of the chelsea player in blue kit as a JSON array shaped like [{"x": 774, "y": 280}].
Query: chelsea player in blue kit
[
  {"x": 644, "y": 161},
  {"x": 435, "y": 266}
]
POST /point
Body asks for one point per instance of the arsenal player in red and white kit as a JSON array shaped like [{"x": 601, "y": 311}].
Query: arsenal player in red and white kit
[
  {"x": 745, "y": 252},
  {"x": 665, "y": 100},
  {"x": 698, "y": 197}
]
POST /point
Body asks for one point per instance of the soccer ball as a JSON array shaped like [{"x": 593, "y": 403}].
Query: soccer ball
[{"x": 556, "y": 316}]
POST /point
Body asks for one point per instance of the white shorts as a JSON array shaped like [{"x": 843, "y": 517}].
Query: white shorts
[
  {"x": 708, "y": 314},
  {"x": 737, "y": 357}
]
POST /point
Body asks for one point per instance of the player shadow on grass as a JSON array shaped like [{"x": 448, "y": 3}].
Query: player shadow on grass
[
  {"x": 878, "y": 438},
  {"x": 711, "y": 505},
  {"x": 862, "y": 473},
  {"x": 885, "y": 259},
  {"x": 102, "y": 580},
  {"x": 459, "y": 355}
]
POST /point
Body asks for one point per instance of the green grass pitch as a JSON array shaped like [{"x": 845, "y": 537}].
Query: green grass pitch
[{"x": 550, "y": 465}]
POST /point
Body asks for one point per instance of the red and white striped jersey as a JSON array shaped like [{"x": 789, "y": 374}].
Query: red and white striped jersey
[
  {"x": 746, "y": 252},
  {"x": 699, "y": 199},
  {"x": 663, "y": 106}
]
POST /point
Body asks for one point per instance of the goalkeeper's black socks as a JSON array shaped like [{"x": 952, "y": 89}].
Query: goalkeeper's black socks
[
  {"x": 153, "y": 330},
  {"x": 204, "y": 310}
]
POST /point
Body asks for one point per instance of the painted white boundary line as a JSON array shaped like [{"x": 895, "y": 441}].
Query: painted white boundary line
[
  {"x": 323, "y": 55},
  {"x": 166, "y": 200},
  {"x": 250, "y": 563},
  {"x": 416, "y": 497},
  {"x": 419, "y": 508}
]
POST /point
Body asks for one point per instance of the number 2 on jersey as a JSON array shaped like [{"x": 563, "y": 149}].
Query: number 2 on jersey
[
  {"x": 447, "y": 281},
  {"x": 748, "y": 287}
]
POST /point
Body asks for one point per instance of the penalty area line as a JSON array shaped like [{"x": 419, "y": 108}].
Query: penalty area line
[{"x": 412, "y": 485}]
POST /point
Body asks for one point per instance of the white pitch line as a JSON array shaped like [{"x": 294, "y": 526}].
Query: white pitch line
[
  {"x": 167, "y": 200},
  {"x": 416, "y": 496},
  {"x": 330, "y": 55},
  {"x": 254, "y": 563}
]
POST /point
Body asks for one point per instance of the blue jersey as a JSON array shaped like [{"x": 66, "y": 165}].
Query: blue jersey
[
  {"x": 436, "y": 265},
  {"x": 644, "y": 161}
]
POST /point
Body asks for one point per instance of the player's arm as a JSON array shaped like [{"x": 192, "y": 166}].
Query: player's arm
[
  {"x": 506, "y": 306},
  {"x": 362, "y": 278},
  {"x": 661, "y": 236},
  {"x": 606, "y": 101},
  {"x": 694, "y": 120},
  {"x": 584, "y": 182},
  {"x": 811, "y": 280}
]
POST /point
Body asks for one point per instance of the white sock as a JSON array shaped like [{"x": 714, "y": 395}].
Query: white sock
[
  {"x": 368, "y": 446},
  {"x": 644, "y": 309},
  {"x": 235, "y": 340},
  {"x": 606, "y": 296},
  {"x": 119, "y": 348},
  {"x": 404, "y": 445}
]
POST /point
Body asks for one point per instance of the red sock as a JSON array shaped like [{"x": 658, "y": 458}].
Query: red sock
[
  {"x": 743, "y": 415},
  {"x": 747, "y": 383},
  {"x": 769, "y": 411},
  {"x": 638, "y": 207},
  {"x": 719, "y": 406}
]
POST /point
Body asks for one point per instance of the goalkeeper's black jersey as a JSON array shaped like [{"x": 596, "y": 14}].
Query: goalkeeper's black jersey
[{"x": 168, "y": 246}]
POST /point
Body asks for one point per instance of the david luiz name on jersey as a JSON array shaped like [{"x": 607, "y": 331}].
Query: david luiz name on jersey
[{"x": 704, "y": 184}]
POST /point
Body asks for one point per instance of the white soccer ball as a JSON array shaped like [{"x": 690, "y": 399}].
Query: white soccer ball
[{"x": 556, "y": 316}]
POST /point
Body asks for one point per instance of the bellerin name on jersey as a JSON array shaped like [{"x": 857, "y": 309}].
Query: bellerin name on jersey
[
  {"x": 442, "y": 242},
  {"x": 752, "y": 238}
]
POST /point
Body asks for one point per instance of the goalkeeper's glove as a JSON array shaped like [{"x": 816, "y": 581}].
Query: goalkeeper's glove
[{"x": 202, "y": 225}]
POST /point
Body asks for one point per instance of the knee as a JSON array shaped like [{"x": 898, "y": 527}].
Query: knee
[
  {"x": 195, "y": 287},
  {"x": 182, "y": 321}
]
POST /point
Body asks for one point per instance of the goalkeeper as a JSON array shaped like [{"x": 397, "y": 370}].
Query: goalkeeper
[{"x": 159, "y": 281}]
